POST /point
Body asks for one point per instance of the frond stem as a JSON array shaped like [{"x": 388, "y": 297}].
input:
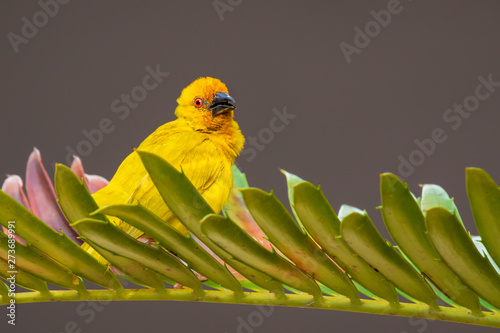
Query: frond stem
[{"x": 340, "y": 303}]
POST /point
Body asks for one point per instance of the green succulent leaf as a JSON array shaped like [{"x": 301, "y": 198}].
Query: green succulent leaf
[
  {"x": 362, "y": 236},
  {"x": 239, "y": 178},
  {"x": 39, "y": 264},
  {"x": 458, "y": 251},
  {"x": 405, "y": 222},
  {"x": 4, "y": 290},
  {"x": 132, "y": 270},
  {"x": 291, "y": 181},
  {"x": 321, "y": 222},
  {"x": 484, "y": 198},
  {"x": 482, "y": 249},
  {"x": 244, "y": 248},
  {"x": 288, "y": 237},
  {"x": 114, "y": 240},
  {"x": 23, "y": 279},
  {"x": 436, "y": 196}
]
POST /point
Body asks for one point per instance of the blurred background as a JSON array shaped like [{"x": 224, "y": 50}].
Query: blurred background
[{"x": 336, "y": 92}]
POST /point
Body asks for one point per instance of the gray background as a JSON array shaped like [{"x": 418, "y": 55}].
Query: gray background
[{"x": 352, "y": 120}]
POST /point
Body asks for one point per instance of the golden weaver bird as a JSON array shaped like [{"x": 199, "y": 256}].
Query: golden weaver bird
[{"x": 204, "y": 140}]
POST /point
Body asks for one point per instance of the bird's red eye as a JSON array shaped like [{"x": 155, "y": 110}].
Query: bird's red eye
[{"x": 198, "y": 102}]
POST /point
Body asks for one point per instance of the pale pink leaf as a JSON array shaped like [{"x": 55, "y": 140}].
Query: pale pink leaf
[
  {"x": 42, "y": 197},
  {"x": 13, "y": 186},
  {"x": 77, "y": 168},
  {"x": 95, "y": 182}
]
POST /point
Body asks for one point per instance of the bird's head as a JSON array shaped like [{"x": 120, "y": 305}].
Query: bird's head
[{"x": 206, "y": 105}]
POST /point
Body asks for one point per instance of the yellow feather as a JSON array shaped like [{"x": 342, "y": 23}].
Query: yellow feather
[{"x": 204, "y": 145}]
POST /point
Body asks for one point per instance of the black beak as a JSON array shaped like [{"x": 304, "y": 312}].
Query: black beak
[{"x": 221, "y": 103}]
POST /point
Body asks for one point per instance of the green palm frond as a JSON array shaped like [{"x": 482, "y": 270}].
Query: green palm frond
[{"x": 259, "y": 253}]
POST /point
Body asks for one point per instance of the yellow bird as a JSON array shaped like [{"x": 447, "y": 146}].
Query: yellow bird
[{"x": 204, "y": 140}]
